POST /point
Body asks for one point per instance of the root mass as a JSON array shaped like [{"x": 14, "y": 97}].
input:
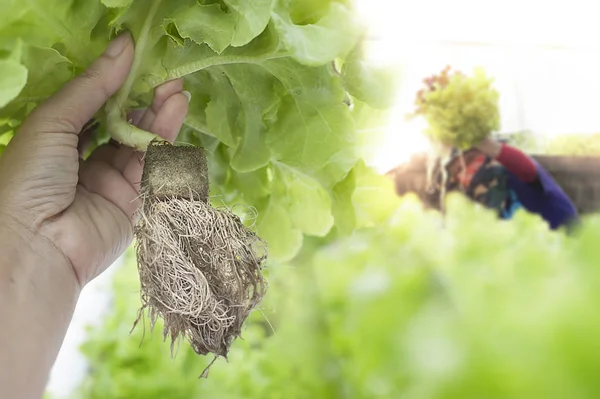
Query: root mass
[{"x": 200, "y": 268}]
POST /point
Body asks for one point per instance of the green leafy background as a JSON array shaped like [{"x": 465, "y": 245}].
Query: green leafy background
[
  {"x": 370, "y": 295},
  {"x": 417, "y": 306}
]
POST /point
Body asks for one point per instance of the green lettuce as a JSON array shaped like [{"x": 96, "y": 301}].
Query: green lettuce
[{"x": 267, "y": 100}]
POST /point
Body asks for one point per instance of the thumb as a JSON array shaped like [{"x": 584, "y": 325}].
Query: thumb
[{"x": 79, "y": 100}]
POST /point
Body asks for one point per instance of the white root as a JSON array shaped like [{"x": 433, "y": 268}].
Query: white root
[{"x": 200, "y": 271}]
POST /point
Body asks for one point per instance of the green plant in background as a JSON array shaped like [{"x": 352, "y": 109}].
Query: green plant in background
[
  {"x": 407, "y": 308},
  {"x": 562, "y": 145},
  {"x": 574, "y": 145}
]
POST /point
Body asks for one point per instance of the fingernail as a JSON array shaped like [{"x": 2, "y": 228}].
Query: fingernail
[
  {"x": 188, "y": 95},
  {"x": 116, "y": 47}
]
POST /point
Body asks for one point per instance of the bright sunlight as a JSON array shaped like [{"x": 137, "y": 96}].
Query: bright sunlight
[{"x": 538, "y": 71}]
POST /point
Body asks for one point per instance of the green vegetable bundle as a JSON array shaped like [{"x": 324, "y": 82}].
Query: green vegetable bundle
[{"x": 460, "y": 110}]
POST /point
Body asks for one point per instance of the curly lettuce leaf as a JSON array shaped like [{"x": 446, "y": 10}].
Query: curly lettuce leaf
[
  {"x": 317, "y": 43},
  {"x": 363, "y": 199},
  {"x": 276, "y": 227},
  {"x": 69, "y": 25},
  {"x": 373, "y": 84},
  {"x": 45, "y": 71},
  {"x": 252, "y": 18},
  {"x": 205, "y": 24}
]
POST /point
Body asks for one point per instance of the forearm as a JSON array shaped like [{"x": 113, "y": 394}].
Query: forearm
[
  {"x": 511, "y": 158},
  {"x": 38, "y": 294}
]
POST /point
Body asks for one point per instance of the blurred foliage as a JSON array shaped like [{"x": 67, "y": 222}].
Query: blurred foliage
[
  {"x": 566, "y": 145},
  {"x": 576, "y": 144},
  {"x": 416, "y": 306}
]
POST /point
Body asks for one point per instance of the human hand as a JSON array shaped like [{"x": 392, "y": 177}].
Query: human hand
[
  {"x": 83, "y": 210},
  {"x": 490, "y": 147}
]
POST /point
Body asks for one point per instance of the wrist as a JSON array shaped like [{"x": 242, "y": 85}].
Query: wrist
[
  {"x": 34, "y": 266},
  {"x": 38, "y": 294},
  {"x": 28, "y": 256}
]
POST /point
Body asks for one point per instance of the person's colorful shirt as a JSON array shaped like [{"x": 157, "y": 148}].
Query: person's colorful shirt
[{"x": 489, "y": 183}]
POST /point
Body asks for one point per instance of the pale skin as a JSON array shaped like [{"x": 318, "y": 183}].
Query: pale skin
[
  {"x": 63, "y": 220},
  {"x": 490, "y": 148}
]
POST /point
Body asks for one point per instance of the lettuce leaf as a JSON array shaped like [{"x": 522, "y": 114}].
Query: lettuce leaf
[{"x": 13, "y": 77}]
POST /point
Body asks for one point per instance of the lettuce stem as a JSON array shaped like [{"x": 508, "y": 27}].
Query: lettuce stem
[{"x": 116, "y": 118}]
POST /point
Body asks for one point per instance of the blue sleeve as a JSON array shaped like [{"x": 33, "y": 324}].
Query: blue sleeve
[{"x": 546, "y": 198}]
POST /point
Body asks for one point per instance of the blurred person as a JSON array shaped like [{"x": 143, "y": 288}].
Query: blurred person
[
  {"x": 64, "y": 220},
  {"x": 502, "y": 177}
]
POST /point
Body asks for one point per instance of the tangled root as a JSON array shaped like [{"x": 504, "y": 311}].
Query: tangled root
[{"x": 200, "y": 271}]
